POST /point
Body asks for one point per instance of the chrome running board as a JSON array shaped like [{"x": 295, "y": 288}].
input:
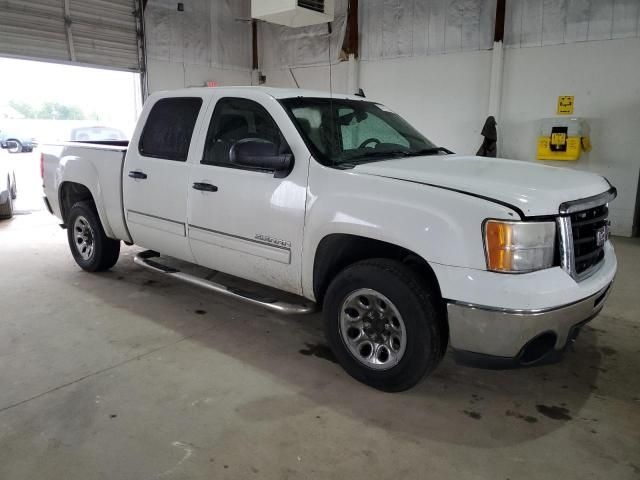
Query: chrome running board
[{"x": 144, "y": 259}]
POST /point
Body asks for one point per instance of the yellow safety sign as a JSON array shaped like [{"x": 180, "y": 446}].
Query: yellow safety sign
[{"x": 565, "y": 105}]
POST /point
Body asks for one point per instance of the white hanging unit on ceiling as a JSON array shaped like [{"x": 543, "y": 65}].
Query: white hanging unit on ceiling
[{"x": 293, "y": 13}]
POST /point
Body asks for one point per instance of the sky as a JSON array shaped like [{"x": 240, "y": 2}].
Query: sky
[{"x": 111, "y": 94}]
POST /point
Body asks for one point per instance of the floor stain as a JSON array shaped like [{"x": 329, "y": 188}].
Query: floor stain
[
  {"x": 200, "y": 312},
  {"x": 472, "y": 414},
  {"x": 526, "y": 418},
  {"x": 608, "y": 351},
  {"x": 598, "y": 330},
  {"x": 148, "y": 283},
  {"x": 320, "y": 351},
  {"x": 475, "y": 398},
  {"x": 554, "y": 412}
]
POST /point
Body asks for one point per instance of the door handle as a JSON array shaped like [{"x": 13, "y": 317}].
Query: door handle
[
  {"x": 138, "y": 175},
  {"x": 205, "y": 187}
]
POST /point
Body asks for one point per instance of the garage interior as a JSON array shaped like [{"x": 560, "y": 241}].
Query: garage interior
[{"x": 128, "y": 375}]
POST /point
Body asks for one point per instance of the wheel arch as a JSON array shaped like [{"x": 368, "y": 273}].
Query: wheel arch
[
  {"x": 69, "y": 193},
  {"x": 337, "y": 251}
]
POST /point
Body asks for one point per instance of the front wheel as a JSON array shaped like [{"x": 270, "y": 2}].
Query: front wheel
[
  {"x": 92, "y": 250},
  {"x": 381, "y": 321},
  {"x": 6, "y": 208}
]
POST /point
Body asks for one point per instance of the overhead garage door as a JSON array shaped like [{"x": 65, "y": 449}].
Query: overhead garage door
[{"x": 91, "y": 32}]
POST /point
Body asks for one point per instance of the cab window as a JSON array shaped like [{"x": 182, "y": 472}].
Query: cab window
[
  {"x": 236, "y": 119},
  {"x": 169, "y": 128}
]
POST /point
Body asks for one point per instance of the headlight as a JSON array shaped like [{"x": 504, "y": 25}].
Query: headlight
[{"x": 519, "y": 247}]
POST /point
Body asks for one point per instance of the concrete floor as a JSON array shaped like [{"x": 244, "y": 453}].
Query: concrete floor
[{"x": 125, "y": 375}]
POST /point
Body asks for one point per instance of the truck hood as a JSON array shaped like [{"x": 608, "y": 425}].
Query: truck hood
[{"x": 533, "y": 188}]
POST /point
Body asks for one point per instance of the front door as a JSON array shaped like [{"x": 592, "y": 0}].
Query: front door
[
  {"x": 244, "y": 221},
  {"x": 156, "y": 175}
]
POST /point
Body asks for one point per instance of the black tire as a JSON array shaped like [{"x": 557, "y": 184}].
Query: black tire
[
  {"x": 6, "y": 208},
  {"x": 14, "y": 188},
  {"x": 104, "y": 252},
  {"x": 413, "y": 299},
  {"x": 18, "y": 148}
]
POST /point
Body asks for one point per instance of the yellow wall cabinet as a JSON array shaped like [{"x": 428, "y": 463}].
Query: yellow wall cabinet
[{"x": 563, "y": 138}]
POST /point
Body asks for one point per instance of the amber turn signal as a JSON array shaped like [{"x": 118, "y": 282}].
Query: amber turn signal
[
  {"x": 519, "y": 247},
  {"x": 498, "y": 243}
]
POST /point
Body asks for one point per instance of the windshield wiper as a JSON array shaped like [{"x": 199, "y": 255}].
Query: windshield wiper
[
  {"x": 431, "y": 151},
  {"x": 390, "y": 154},
  {"x": 381, "y": 153}
]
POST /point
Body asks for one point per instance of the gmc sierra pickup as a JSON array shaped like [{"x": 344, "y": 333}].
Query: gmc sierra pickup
[{"x": 406, "y": 247}]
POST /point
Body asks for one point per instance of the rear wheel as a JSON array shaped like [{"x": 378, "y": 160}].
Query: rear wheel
[
  {"x": 92, "y": 250},
  {"x": 381, "y": 320},
  {"x": 18, "y": 145},
  {"x": 6, "y": 208}
]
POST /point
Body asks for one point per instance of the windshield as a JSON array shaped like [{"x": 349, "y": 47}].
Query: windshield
[{"x": 346, "y": 133}]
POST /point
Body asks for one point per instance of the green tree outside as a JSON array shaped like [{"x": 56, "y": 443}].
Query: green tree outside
[{"x": 49, "y": 111}]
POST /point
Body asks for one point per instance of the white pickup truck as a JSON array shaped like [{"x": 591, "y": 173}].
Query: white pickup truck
[{"x": 406, "y": 247}]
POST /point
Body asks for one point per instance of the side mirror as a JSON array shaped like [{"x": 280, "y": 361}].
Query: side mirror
[{"x": 261, "y": 154}]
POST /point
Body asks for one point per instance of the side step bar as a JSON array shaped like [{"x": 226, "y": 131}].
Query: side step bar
[{"x": 144, "y": 259}]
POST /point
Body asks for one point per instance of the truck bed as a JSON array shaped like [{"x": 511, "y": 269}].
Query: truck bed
[{"x": 98, "y": 166}]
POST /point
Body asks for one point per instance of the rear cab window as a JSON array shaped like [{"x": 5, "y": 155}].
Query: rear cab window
[{"x": 169, "y": 128}]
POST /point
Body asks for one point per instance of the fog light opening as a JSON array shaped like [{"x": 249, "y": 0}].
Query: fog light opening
[{"x": 538, "y": 348}]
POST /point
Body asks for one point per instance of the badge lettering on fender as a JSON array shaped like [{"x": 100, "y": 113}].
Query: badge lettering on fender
[{"x": 273, "y": 241}]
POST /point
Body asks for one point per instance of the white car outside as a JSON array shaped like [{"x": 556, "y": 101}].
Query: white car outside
[{"x": 8, "y": 187}]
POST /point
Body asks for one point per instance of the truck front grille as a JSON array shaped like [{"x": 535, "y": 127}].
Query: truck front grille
[
  {"x": 586, "y": 227},
  {"x": 583, "y": 227}
]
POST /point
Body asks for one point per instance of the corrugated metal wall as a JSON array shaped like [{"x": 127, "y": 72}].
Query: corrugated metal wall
[
  {"x": 94, "y": 32},
  {"x": 532, "y": 23},
  {"x": 399, "y": 28},
  {"x": 212, "y": 33},
  {"x": 406, "y": 28}
]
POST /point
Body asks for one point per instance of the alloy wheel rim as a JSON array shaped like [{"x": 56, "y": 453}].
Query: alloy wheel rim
[
  {"x": 372, "y": 329},
  {"x": 84, "y": 238}
]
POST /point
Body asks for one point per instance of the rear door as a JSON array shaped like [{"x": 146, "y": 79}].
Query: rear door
[
  {"x": 156, "y": 174},
  {"x": 245, "y": 221}
]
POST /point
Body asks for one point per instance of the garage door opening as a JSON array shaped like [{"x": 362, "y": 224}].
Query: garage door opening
[
  {"x": 48, "y": 102},
  {"x": 51, "y": 103}
]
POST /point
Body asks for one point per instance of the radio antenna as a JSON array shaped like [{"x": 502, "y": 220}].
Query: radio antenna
[{"x": 332, "y": 118}]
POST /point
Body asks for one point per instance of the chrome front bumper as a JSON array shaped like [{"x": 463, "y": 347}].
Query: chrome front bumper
[{"x": 506, "y": 333}]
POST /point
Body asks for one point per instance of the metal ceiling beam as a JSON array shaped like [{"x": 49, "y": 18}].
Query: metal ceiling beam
[{"x": 67, "y": 25}]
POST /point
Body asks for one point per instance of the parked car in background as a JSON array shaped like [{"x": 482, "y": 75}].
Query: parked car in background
[
  {"x": 8, "y": 188},
  {"x": 20, "y": 141},
  {"x": 97, "y": 134}
]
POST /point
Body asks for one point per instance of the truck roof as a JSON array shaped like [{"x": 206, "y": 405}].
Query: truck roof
[{"x": 271, "y": 91}]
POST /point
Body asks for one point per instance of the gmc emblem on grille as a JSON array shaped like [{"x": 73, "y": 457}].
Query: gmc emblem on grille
[{"x": 602, "y": 235}]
